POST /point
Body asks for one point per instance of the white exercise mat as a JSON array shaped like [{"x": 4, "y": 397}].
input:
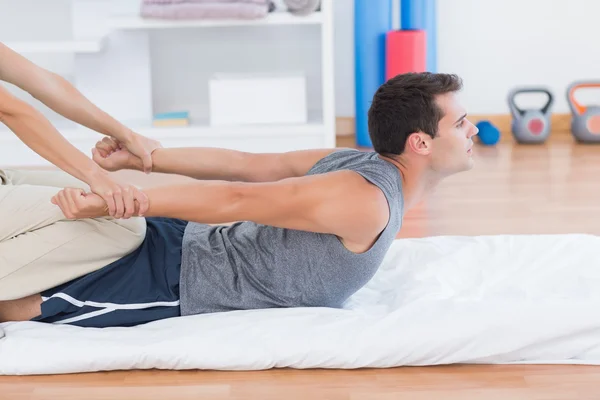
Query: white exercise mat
[{"x": 495, "y": 299}]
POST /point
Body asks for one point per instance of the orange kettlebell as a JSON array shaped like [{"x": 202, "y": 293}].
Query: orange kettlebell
[{"x": 585, "y": 122}]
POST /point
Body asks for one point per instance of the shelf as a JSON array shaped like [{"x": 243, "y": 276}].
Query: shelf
[
  {"x": 237, "y": 132},
  {"x": 115, "y": 73},
  {"x": 192, "y": 132},
  {"x": 66, "y": 46},
  {"x": 257, "y": 139},
  {"x": 274, "y": 18}
]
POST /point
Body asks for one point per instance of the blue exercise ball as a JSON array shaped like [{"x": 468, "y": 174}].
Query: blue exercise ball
[{"x": 488, "y": 133}]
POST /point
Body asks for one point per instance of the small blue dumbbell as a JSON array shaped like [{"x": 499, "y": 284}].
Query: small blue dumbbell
[{"x": 488, "y": 133}]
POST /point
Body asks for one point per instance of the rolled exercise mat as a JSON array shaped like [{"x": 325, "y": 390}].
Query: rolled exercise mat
[
  {"x": 422, "y": 15},
  {"x": 405, "y": 52},
  {"x": 372, "y": 21}
]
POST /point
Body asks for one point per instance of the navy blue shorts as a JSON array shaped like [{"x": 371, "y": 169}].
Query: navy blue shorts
[{"x": 139, "y": 288}]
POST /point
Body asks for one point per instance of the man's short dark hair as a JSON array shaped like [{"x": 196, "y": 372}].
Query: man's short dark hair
[{"x": 406, "y": 104}]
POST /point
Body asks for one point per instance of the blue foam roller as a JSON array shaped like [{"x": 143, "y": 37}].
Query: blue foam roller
[
  {"x": 421, "y": 14},
  {"x": 372, "y": 21}
]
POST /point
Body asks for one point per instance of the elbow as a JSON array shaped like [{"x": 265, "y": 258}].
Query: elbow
[
  {"x": 236, "y": 204},
  {"x": 237, "y": 195},
  {"x": 54, "y": 85},
  {"x": 6, "y": 113},
  {"x": 253, "y": 168},
  {"x": 13, "y": 108},
  {"x": 264, "y": 167}
]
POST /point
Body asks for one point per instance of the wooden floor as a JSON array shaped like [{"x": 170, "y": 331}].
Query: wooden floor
[{"x": 552, "y": 188}]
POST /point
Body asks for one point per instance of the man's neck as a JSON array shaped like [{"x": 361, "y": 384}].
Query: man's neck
[{"x": 417, "y": 179}]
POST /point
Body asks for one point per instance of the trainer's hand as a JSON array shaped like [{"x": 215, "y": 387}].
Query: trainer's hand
[
  {"x": 111, "y": 156},
  {"x": 142, "y": 147},
  {"x": 120, "y": 198},
  {"x": 76, "y": 204}
]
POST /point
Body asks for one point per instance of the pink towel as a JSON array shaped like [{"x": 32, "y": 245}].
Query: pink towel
[
  {"x": 203, "y": 1},
  {"x": 206, "y": 10}
]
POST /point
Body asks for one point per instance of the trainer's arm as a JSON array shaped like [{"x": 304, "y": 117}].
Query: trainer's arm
[
  {"x": 58, "y": 94},
  {"x": 42, "y": 137}
]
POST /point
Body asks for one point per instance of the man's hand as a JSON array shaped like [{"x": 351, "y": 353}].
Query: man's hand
[
  {"x": 76, "y": 204},
  {"x": 142, "y": 147},
  {"x": 120, "y": 198}
]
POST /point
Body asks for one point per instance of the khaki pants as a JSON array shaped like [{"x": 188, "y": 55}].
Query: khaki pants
[{"x": 40, "y": 248}]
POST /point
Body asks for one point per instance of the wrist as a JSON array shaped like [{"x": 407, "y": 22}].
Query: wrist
[
  {"x": 105, "y": 212},
  {"x": 157, "y": 156},
  {"x": 124, "y": 135},
  {"x": 135, "y": 163},
  {"x": 93, "y": 174}
]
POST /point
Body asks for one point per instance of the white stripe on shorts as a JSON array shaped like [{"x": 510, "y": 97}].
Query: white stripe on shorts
[{"x": 105, "y": 308}]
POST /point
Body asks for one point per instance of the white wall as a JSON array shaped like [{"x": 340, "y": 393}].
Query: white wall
[
  {"x": 344, "y": 57},
  {"x": 493, "y": 45},
  {"x": 24, "y": 20},
  {"x": 51, "y": 20},
  {"x": 496, "y": 45}
]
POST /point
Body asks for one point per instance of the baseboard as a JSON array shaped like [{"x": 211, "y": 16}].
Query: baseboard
[
  {"x": 345, "y": 126},
  {"x": 561, "y": 124}
]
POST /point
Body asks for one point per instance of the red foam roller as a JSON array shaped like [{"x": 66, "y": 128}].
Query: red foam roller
[{"x": 405, "y": 52}]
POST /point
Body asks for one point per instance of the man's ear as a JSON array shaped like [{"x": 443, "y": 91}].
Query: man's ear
[{"x": 419, "y": 143}]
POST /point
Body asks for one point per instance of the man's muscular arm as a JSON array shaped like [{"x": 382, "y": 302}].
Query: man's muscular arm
[
  {"x": 341, "y": 203},
  {"x": 214, "y": 163}
]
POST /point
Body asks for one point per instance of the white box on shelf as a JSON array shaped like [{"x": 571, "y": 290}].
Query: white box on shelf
[{"x": 258, "y": 98}]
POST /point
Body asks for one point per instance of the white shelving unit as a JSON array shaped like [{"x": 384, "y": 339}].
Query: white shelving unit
[
  {"x": 273, "y": 19},
  {"x": 56, "y": 47},
  {"x": 112, "y": 59}
]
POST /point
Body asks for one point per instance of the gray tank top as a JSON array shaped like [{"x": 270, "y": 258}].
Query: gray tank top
[{"x": 252, "y": 266}]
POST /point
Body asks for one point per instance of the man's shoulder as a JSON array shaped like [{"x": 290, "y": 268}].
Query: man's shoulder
[
  {"x": 368, "y": 164},
  {"x": 341, "y": 158}
]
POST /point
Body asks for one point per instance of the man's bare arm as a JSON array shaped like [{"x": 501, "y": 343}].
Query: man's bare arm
[
  {"x": 341, "y": 203},
  {"x": 215, "y": 163},
  {"x": 230, "y": 165}
]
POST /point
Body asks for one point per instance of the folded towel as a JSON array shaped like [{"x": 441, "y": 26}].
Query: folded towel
[
  {"x": 302, "y": 7},
  {"x": 204, "y": 1},
  {"x": 205, "y": 11}
]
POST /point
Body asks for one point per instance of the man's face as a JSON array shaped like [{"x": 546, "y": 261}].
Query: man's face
[{"x": 452, "y": 148}]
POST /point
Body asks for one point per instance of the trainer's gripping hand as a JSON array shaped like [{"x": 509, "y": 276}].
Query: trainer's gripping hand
[
  {"x": 142, "y": 148},
  {"x": 120, "y": 198},
  {"x": 77, "y": 204}
]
